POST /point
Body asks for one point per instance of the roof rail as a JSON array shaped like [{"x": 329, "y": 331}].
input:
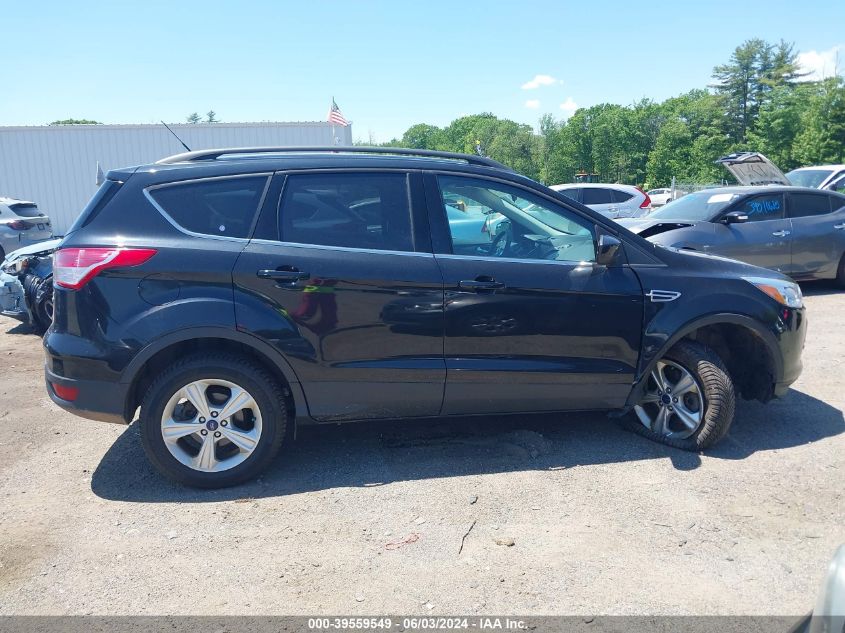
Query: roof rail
[{"x": 212, "y": 154}]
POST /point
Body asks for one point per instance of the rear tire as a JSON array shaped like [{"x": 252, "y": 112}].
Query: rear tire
[
  {"x": 712, "y": 400},
  {"x": 258, "y": 427}
]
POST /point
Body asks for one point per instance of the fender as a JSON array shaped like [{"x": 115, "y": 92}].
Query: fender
[
  {"x": 132, "y": 370},
  {"x": 711, "y": 319}
]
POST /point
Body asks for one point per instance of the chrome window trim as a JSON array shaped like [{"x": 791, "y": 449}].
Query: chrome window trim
[
  {"x": 182, "y": 229},
  {"x": 485, "y": 258},
  {"x": 345, "y": 249}
]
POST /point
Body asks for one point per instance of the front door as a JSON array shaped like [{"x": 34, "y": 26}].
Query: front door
[
  {"x": 344, "y": 284},
  {"x": 532, "y": 322},
  {"x": 764, "y": 240}
]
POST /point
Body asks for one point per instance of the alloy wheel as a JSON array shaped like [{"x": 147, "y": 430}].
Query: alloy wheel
[
  {"x": 211, "y": 425},
  {"x": 673, "y": 404}
]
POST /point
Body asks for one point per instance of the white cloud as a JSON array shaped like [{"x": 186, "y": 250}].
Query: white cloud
[
  {"x": 540, "y": 80},
  {"x": 569, "y": 106},
  {"x": 820, "y": 64},
  {"x": 532, "y": 104}
]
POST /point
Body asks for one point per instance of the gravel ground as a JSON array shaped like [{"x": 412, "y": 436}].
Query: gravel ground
[{"x": 564, "y": 514}]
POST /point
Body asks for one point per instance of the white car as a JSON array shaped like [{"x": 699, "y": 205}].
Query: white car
[
  {"x": 659, "y": 197},
  {"x": 21, "y": 224},
  {"x": 818, "y": 177},
  {"x": 611, "y": 200}
]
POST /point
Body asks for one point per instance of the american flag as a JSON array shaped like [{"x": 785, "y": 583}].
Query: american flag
[{"x": 335, "y": 117}]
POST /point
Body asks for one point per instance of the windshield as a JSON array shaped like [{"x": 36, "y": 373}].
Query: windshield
[
  {"x": 695, "y": 207},
  {"x": 808, "y": 177}
]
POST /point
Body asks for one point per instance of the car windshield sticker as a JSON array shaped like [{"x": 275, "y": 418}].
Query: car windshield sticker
[{"x": 719, "y": 197}]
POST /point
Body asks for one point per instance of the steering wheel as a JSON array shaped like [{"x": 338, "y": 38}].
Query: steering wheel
[{"x": 501, "y": 243}]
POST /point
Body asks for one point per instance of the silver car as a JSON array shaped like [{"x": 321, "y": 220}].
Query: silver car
[
  {"x": 612, "y": 200},
  {"x": 21, "y": 224},
  {"x": 794, "y": 230}
]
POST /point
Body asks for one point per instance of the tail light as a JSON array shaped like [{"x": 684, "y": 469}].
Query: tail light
[
  {"x": 19, "y": 225},
  {"x": 75, "y": 267},
  {"x": 645, "y": 203}
]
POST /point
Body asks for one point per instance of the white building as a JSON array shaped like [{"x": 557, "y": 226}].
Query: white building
[{"x": 55, "y": 166}]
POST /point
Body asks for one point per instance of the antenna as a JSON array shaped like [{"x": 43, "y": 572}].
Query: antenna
[{"x": 177, "y": 137}]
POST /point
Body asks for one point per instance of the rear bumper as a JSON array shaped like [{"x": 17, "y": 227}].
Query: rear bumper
[{"x": 96, "y": 399}]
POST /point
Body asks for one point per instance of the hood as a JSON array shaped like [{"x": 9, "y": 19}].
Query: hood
[
  {"x": 715, "y": 264},
  {"x": 752, "y": 168},
  {"x": 41, "y": 248},
  {"x": 645, "y": 227}
]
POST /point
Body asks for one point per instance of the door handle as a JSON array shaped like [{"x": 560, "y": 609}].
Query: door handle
[
  {"x": 291, "y": 275},
  {"x": 480, "y": 284},
  {"x": 780, "y": 233},
  {"x": 839, "y": 227}
]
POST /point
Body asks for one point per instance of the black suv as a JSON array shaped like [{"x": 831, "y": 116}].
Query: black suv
[{"x": 231, "y": 294}]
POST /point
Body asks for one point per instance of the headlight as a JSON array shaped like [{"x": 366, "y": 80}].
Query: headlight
[{"x": 784, "y": 292}]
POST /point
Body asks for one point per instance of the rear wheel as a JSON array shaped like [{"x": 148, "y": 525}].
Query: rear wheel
[
  {"x": 212, "y": 421},
  {"x": 688, "y": 401}
]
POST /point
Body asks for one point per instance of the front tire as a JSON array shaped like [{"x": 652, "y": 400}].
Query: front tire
[
  {"x": 213, "y": 420},
  {"x": 688, "y": 401},
  {"x": 840, "y": 273}
]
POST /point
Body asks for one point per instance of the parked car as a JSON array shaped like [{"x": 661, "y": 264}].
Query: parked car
[
  {"x": 21, "y": 224},
  {"x": 794, "y": 230},
  {"x": 818, "y": 177},
  {"x": 26, "y": 284},
  {"x": 662, "y": 196},
  {"x": 612, "y": 201},
  {"x": 233, "y": 294}
]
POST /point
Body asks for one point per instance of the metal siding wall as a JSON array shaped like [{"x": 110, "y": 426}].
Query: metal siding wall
[{"x": 56, "y": 166}]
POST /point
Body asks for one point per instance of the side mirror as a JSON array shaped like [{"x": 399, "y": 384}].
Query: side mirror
[
  {"x": 735, "y": 217},
  {"x": 608, "y": 250}
]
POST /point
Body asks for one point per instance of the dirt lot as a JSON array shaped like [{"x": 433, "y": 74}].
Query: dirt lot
[{"x": 370, "y": 518}]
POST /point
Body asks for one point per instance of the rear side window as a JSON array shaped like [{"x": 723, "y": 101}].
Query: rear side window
[
  {"x": 362, "y": 210},
  {"x": 596, "y": 195},
  {"x": 572, "y": 194},
  {"x": 621, "y": 196},
  {"x": 96, "y": 204},
  {"x": 760, "y": 208},
  {"x": 806, "y": 204},
  {"x": 25, "y": 210},
  {"x": 223, "y": 207}
]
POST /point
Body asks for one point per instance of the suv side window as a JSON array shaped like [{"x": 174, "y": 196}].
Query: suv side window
[
  {"x": 768, "y": 206},
  {"x": 513, "y": 223},
  {"x": 621, "y": 196},
  {"x": 572, "y": 194},
  {"x": 596, "y": 195},
  {"x": 353, "y": 210},
  {"x": 216, "y": 206},
  {"x": 808, "y": 204}
]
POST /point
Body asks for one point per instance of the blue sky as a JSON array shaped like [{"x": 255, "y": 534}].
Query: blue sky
[{"x": 389, "y": 64}]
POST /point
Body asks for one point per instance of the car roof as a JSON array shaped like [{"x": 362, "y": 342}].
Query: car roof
[
  {"x": 13, "y": 201},
  {"x": 745, "y": 190},
  {"x": 831, "y": 167},
  {"x": 174, "y": 168},
  {"x": 593, "y": 185}
]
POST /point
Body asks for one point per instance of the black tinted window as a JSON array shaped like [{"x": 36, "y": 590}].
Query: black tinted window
[
  {"x": 25, "y": 210},
  {"x": 225, "y": 206},
  {"x": 595, "y": 195},
  {"x": 351, "y": 210},
  {"x": 759, "y": 208},
  {"x": 621, "y": 196},
  {"x": 571, "y": 193},
  {"x": 804, "y": 204}
]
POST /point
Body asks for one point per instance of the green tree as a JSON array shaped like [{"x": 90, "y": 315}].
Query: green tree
[
  {"x": 211, "y": 117},
  {"x": 76, "y": 122},
  {"x": 193, "y": 117},
  {"x": 421, "y": 136}
]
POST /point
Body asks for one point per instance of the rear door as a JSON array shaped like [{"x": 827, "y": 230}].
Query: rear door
[
  {"x": 818, "y": 232},
  {"x": 532, "y": 323},
  {"x": 762, "y": 241},
  {"x": 340, "y": 278},
  {"x": 600, "y": 199}
]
